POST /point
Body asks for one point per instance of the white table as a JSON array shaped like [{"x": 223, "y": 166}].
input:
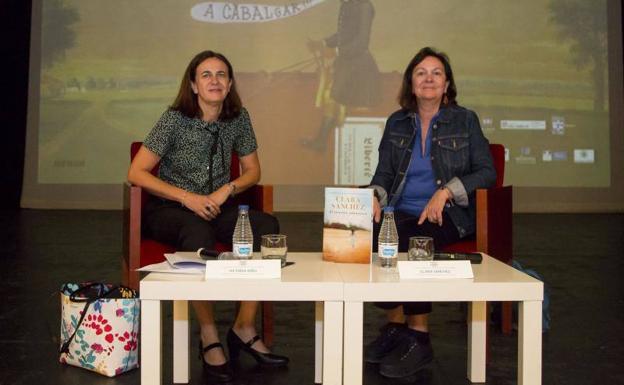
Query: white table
[
  {"x": 493, "y": 281},
  {"x": 310, "y": 279}
]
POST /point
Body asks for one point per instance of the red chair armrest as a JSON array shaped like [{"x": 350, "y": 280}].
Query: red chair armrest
[{"x": 494, "y": 222}]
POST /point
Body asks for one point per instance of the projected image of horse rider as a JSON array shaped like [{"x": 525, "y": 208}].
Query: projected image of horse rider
[
  {"x": 353, "y": 81},
  {"x": 193, "y": 141},
  {"x": 432, "y": 158}
]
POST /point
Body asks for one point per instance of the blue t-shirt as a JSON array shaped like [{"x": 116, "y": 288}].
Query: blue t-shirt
[{"x": 420, "y": 180}]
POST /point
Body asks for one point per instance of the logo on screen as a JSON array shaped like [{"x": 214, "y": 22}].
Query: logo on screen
[
  {"x": 558, "y": 125},
  {"x": 559, "y": 156},
  {"x": 546, "y": 156},
  {"x": 525, "y": 156},
  {"x": 487, "y": 124},
  {"x": 585, "y": 155}
]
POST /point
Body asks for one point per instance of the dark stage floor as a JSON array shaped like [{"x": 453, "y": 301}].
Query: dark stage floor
[{"x": 579, "y": 256}]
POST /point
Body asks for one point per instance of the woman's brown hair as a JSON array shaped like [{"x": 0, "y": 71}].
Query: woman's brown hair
[
  {"x": 407, "y": 99},
  {"x": 186, "y": 101}
]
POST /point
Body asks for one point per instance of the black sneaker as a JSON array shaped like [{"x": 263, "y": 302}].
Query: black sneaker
[
  {"x": 389, "y": 337},
  {"x": 407, "y": 358}
]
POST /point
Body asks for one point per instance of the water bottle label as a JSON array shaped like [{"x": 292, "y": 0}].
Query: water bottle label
[
  {"x": 242, "y": 249},
  {"x": 388, "y": 251}
]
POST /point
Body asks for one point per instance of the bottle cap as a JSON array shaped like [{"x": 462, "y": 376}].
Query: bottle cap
[
  {"x": 389, "y": 209},
  {"x": 243, "y": 207}
]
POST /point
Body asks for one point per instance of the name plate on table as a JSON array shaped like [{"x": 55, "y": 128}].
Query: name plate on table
[
  {"x": 244, "y": 268},
  {"x": 435, "y": 269}
]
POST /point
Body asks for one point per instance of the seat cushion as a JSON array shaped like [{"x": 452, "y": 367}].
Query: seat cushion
[{"x": 153, "y": 251}]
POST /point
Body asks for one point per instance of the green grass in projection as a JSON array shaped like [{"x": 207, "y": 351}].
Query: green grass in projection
[{"x": 109, "y": 69}]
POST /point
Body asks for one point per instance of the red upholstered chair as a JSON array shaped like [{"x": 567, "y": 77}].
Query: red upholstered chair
[
  {"x": 494, "y": 224},
  {"x": 141, "y": 251}
]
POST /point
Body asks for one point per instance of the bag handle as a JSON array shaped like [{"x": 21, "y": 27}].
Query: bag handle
[{"x": 102, "y": 293}]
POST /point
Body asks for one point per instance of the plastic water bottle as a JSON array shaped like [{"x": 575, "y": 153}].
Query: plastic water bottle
[
  {"x": 242, "y": 240},
  {"x": 388, "y": 241}
]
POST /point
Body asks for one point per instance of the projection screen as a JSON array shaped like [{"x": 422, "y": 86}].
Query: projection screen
[{"x": 544, "y": 76}]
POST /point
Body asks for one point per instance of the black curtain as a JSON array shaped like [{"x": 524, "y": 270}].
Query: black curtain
[{"x": 15, "y": 46}]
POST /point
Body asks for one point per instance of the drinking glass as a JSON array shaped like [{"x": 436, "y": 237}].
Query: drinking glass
[
  {"x": 274, "y": 246},
  {"x": 420, "y": 249}
]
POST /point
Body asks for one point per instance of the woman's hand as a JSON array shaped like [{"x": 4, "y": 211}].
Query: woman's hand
[
  {"x": 376, "y": 210},
  {"x": 202, "y": 205},
  {"x": 208, "y": 206},
  {"x": 433, "y": 211},
  {"x": 221, "y": 195}
]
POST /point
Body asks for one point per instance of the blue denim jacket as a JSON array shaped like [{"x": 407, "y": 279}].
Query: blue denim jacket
[{"x": 460, "y": 156}]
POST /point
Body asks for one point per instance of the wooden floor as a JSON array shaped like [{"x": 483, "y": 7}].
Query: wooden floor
[{"x": 581, "y": 258}]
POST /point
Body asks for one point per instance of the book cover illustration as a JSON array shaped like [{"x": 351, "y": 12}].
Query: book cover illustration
[{"x": 348, "y": 225}]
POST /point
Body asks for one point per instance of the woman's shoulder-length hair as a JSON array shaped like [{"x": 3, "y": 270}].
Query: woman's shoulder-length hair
[
  {"x": 407, "y": 99},
  {"x": 186, "y": 100}
]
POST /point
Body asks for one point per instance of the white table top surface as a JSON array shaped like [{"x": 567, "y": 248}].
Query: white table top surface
[
  {"x": 312, "y": 279},
  {"x": 493, "y": 281},
  {"x": 309, "y": 279}
]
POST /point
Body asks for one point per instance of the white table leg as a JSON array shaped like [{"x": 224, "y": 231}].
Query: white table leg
[
  {"x": 181, "y": 362},
  {"x": 332, "y": 343},
  {"x": 151, "y": 359},
  {"x": 477, "y": 341},
  {"x": 353, "y": 342},
  {"x": 530, "y": 343},
  {"x": 318, "y": 342}
]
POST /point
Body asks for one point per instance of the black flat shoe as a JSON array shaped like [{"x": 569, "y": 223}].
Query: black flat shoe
[
  {"x": 235, "y": 345},
  {"x": 219, "y": 373}
]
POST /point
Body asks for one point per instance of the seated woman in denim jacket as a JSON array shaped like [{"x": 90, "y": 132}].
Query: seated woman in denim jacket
[{"x": 432, "y": 158}]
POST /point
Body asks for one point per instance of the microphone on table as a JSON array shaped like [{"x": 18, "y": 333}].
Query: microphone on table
[
  {"x": 211, "y": 255},
  {"x": 207, "y": 254},
  {"x": 474, "y": 258}
]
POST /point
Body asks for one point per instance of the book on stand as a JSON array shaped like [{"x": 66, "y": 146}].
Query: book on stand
[{"x": 348, "y": 225}]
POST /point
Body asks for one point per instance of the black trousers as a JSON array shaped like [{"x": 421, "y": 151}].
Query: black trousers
[
  {"x": 407, "y": 226},
  {"x": 169, "y": 222}
]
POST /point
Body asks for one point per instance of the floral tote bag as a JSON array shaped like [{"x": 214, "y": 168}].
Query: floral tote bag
[{"x": 99, "y": 327}]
